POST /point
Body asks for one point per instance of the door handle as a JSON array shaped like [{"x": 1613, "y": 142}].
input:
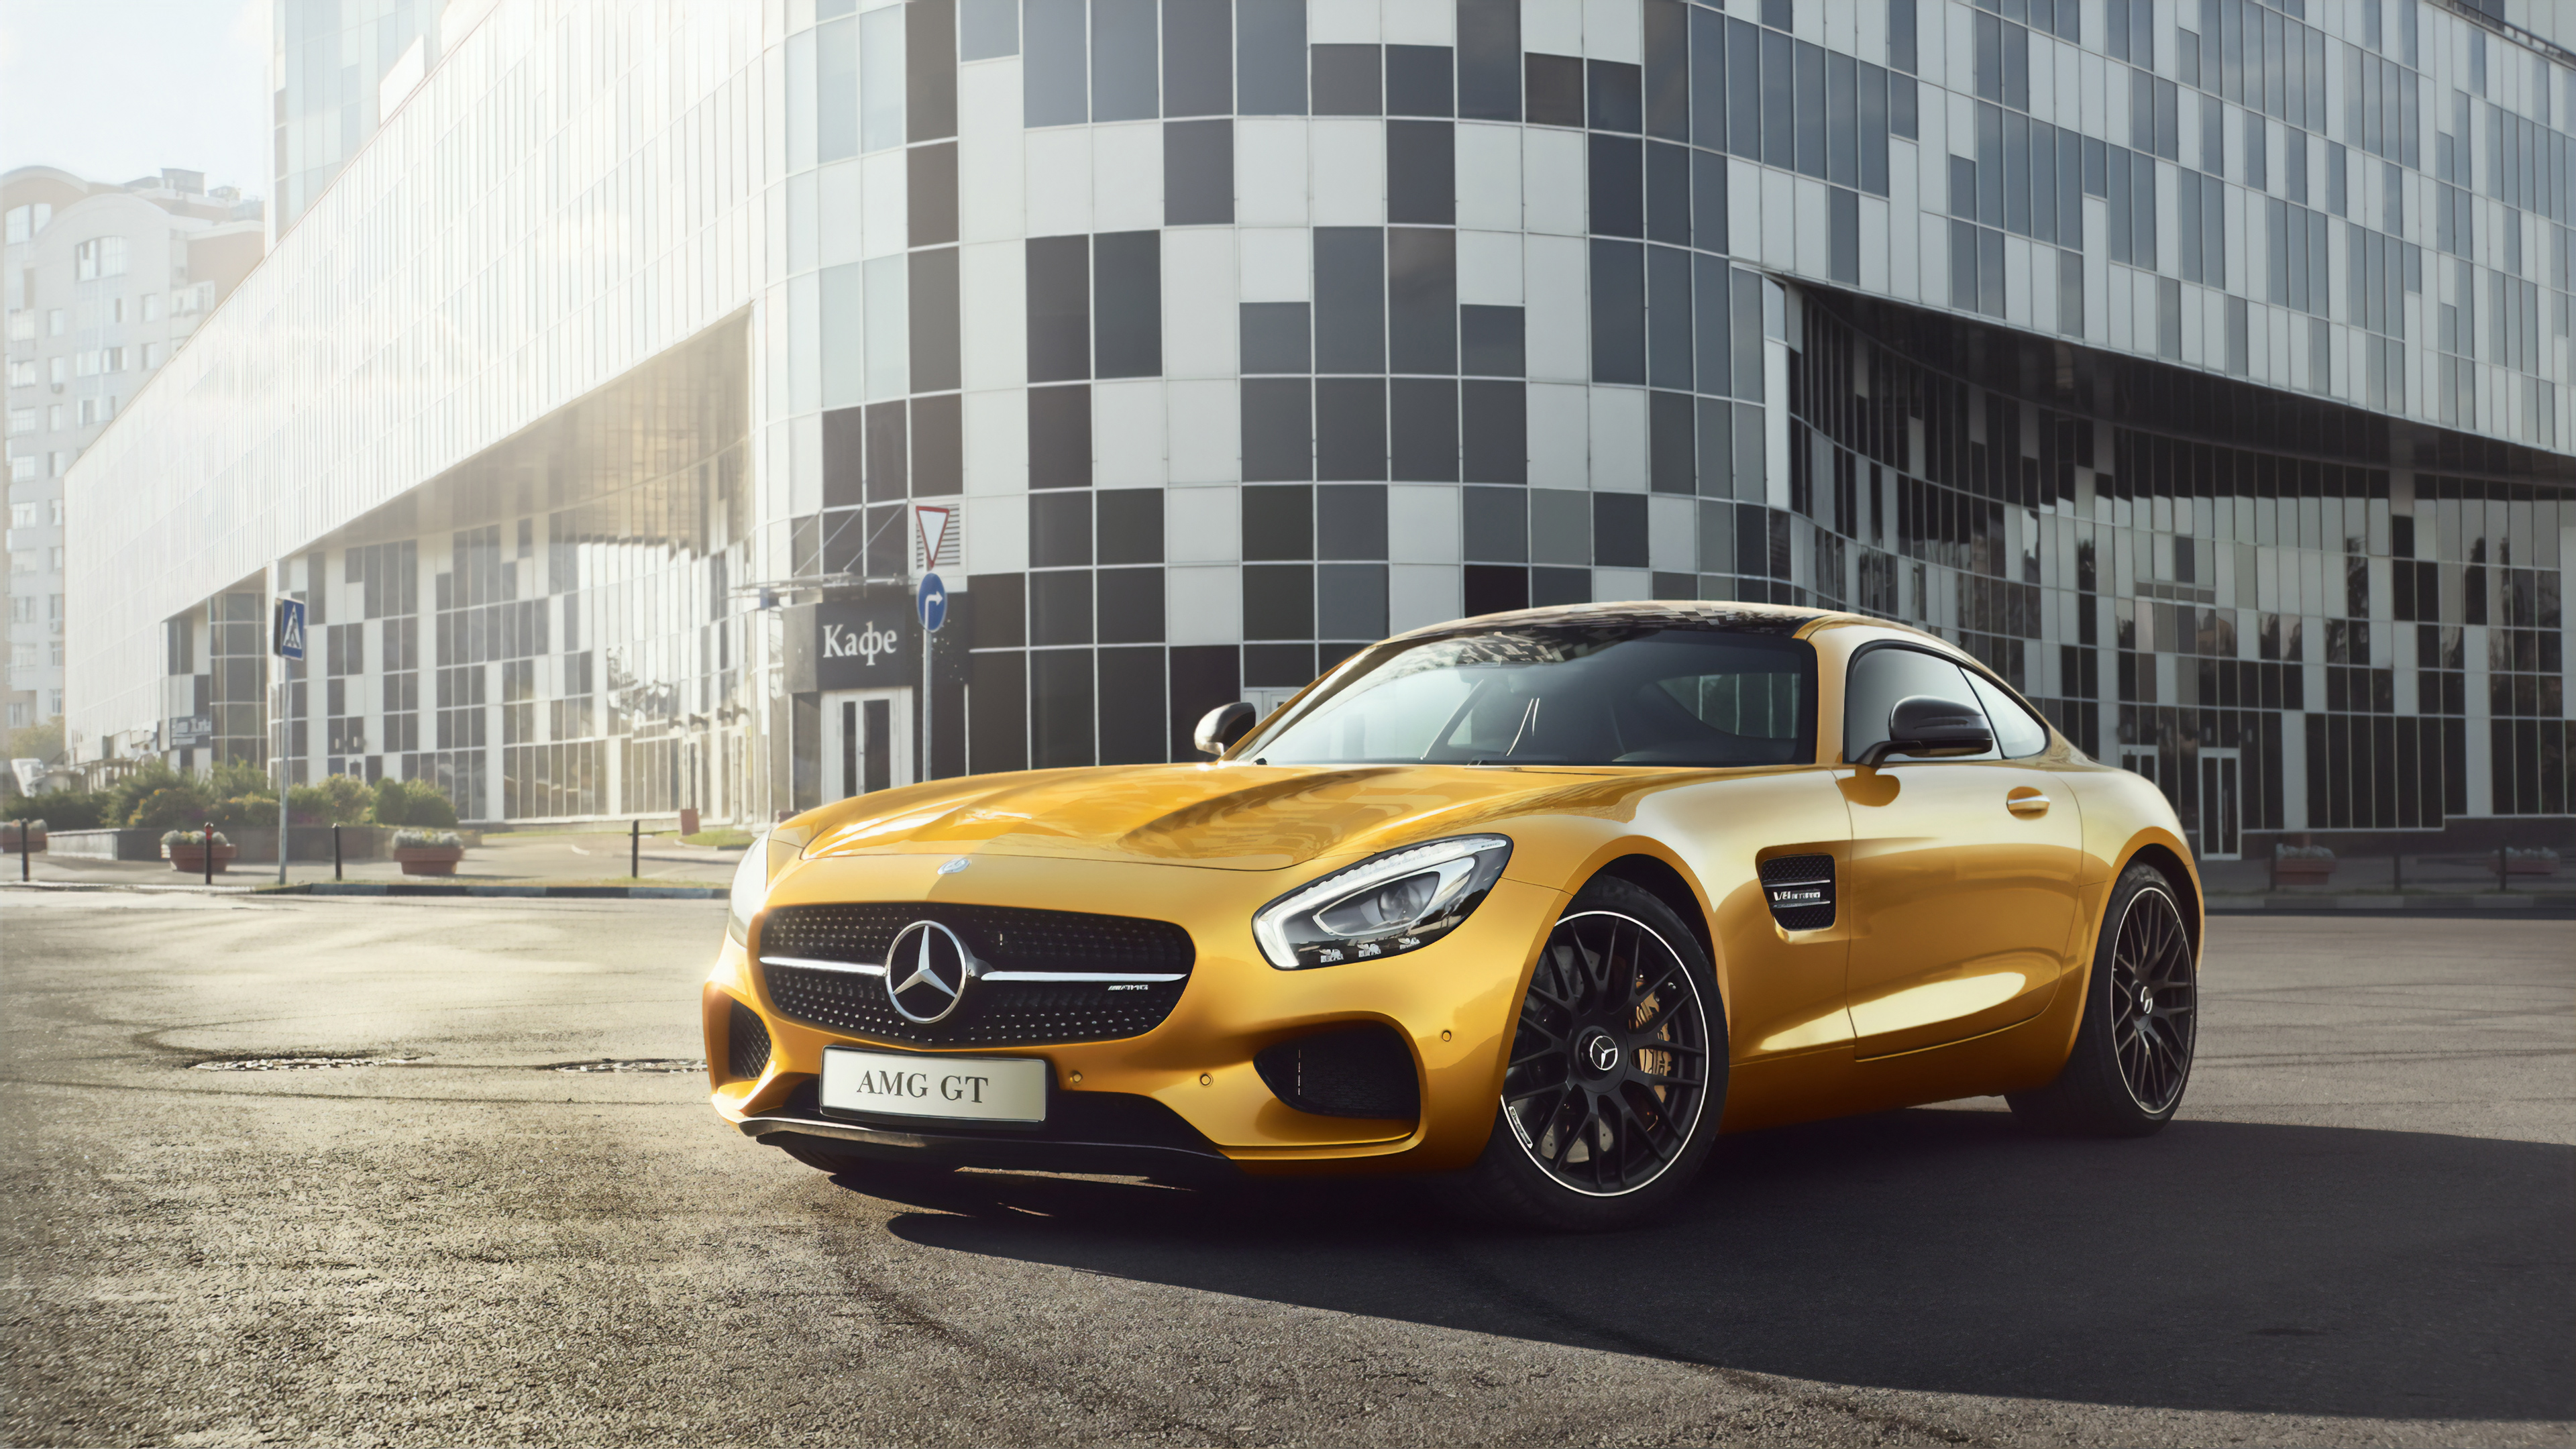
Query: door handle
[{"x": 2033, "y": 804}]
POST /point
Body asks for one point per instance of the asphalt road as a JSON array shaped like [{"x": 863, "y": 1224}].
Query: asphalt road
[{"x": 2358, "y": 1233}]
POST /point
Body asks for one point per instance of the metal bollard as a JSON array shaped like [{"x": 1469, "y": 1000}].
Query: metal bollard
[
  {"x": 25, "y": 868},
  {"x": 335, "y": 852},
  {"x": 208, "y": 827},
  {"x": 635, "y": 849}
]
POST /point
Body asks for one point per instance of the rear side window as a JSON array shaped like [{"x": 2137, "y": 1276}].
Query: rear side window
[
  {"x": 2016, "y": 732},
  {"x": 1881, "y": 677}
]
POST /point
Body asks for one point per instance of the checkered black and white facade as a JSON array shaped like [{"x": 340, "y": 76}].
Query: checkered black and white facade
[{"x": 2203, "y": 364}]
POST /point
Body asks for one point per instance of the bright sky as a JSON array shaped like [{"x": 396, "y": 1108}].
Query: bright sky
[{"x": 115, "y": 89}]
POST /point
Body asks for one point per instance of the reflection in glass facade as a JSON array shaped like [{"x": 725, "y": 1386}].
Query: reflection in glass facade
[{"x": 2200, "y": 364}]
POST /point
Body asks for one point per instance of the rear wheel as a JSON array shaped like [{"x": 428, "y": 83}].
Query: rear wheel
[
  {"x": 2133, "y": 1052},
  {"x": 1617, "y": 1073}
]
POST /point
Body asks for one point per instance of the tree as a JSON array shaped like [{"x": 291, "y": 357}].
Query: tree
[{"x": 37, "y": 742}]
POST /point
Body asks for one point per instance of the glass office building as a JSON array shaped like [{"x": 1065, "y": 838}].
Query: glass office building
[{"x": 2201, "y": 364}]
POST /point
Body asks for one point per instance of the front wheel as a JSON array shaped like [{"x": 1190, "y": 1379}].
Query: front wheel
[
  {"x": 1617, "y": 1073},
  {"x": 2133, "y": 1052}
]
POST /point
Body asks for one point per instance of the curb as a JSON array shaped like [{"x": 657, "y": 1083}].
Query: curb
[
  {"x": 2420, "y": 905},
  {"x": 513, "y": 892},
  {"x": 88, "y": 885}
]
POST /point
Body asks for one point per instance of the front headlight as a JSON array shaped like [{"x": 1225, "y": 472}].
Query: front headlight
[
  {"x": 751, "y": 880},
  {"x": 1384, "y": 906}
]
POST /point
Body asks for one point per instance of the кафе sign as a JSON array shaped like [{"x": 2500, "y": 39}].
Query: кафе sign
[{"x": 869, "y": 642}]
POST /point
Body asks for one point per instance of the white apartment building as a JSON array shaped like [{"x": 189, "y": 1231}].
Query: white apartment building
[{"x": 104, "y": 282}]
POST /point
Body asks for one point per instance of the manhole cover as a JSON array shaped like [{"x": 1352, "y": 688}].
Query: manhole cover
[
  {"x": 672, "y": 1066},
  {"x": 302, "y": 1064}
]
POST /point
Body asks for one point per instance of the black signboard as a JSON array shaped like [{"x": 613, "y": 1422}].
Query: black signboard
[{"x": 868, "y": 642}]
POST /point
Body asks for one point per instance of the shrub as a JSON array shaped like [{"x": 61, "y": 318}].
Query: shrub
[
  {"x": 427, "y": 839},
  {"x": 338, "y": 800},
  {"x": 127, "y": 795},
  {"x": 172, "y": 807},
  {"x": 410, "y": 802},
  {"x": 243, "y": 811},
  {"x": 191, "y": 837},
  {"x": 66, "y": 809}
]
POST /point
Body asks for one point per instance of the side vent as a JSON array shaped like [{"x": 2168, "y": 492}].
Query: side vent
[
  {"x": 1801, "y": 891},
  {"x": 1360, "y": 1071},
  {"x": 746, "y": 1044}
]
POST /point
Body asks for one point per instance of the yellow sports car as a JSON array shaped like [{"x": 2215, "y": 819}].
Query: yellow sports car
[{"x": 1544, "y": 900}]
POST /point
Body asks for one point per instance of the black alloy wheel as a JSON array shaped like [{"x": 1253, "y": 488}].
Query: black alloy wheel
[
  {"x": 2131, "y": 1058},
  {"x": 2155, "y": 1001},
  {"x": 1609, "y": 1072}
]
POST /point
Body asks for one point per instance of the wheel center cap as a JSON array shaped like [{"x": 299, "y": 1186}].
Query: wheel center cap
[
  {"x": 2146, "y": 1001},
  {"x": 1600, "y": 1052}
]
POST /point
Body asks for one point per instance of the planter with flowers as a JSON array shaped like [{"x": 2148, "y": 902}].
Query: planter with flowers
[
  {"x": 428, "y": 852},
  {"x": 2543, "y": 861},
  {"x": 2302, "y": 864},
  {"x": 187, "y": 851}
]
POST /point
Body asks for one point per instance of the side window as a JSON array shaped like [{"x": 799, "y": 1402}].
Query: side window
[
  {"x": 2016, "y": 733},
  {"x": 1881, "y": 677}
]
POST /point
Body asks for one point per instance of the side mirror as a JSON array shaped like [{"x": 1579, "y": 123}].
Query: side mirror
[
  {"x": 1923, "y": 724},
  {"x": 1222, "y": 726}
]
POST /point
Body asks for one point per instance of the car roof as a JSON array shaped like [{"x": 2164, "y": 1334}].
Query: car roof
[{"x": 1777, "y": 619}]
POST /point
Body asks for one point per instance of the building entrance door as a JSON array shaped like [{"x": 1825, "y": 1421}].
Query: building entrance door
[
  {"x": 2140, "y": 760},
  {"x": 2218, "y": 805},
  {"x": 867, "y": 740}
]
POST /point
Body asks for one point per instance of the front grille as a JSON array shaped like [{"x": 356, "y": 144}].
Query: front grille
[
  {"x": 1006, "y": 939},
  {"x": 1360, "y": 1071},
  {"x": 746, "y": 1044},
  {"x": 1800, "y": 889}
]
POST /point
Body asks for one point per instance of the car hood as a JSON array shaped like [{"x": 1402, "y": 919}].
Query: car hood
[{"x": 1235, "y": 817}]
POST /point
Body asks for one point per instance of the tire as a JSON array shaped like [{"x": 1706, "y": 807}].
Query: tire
[
  {"x": 2133, "y": 1052},
  {"x": 1617, "y": 1075},
  {"x": 868, "y": 1172}
]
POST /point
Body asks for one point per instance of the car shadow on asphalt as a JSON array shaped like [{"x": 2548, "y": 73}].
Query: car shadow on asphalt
[{"x": 2218, "y": 1266}]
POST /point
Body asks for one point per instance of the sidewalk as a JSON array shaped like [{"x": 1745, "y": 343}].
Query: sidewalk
[{"x": 585, "y": 859}]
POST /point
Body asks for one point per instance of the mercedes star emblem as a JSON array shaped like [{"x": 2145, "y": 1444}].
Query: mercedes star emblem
[
  {"x": 927, "y": 969},
  {"x": 1603, "y": 1051}
]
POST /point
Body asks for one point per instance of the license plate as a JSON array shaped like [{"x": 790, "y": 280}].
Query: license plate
[{"x": 904, "y": 1084}]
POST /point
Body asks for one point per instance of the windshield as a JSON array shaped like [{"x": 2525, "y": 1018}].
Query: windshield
[{"x": 1560, "y": 695}]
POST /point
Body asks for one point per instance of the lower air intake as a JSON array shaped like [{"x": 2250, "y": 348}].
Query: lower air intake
[
  {"x": 1359, "y": 1071},
  {"x": 1800, "y": 889},
  {"x": 746, "y": 1044}
]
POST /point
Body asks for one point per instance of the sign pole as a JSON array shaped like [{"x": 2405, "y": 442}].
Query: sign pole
[
  {"x": 286, "y": 641},
  {"x": 930, "y": 602}
]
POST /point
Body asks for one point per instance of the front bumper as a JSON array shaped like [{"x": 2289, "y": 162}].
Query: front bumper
[{"x": 1453, "y": 1005}]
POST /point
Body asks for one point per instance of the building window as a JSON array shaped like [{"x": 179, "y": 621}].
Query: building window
[
  {"x": 151, "y": 306},
  {"x": 22, "y": 372},
  {"x": 26, "y": 221},
  {"x": 22, "y": 326},
  {"x": 21, "y": 421},
  {"x": 98, "y": 257},
  {"x": 57, "y": 322}
]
